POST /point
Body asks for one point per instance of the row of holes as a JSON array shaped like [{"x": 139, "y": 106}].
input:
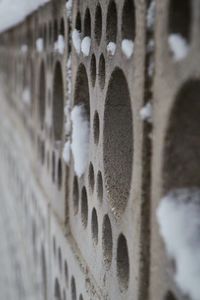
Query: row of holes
[
  {"x": 57, "y": 290},
  {"x": 58, "y": 28},
  {"x": 123, "y": 260},
  {"x": 118, "y": 147},
  {"x": 55, "y": 166},
  {"x": 128, "y": 22},
  {"x": 58, "y": 100}
]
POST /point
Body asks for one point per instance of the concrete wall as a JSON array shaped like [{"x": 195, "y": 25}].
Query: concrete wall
[{"x": 102, "y": 237}]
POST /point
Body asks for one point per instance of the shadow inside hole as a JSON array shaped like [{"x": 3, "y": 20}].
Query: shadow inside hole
[
  {"x": 58, "y": 102},
  {"x": 182, "y": 143},
  {"x": 180, "y": 17},
  {"x": 128, "y": 20},
  {"x": 98, "y": 24},
  {"x": 87, "y": 23},
  {"x": 81, "y": 93},
  {"x": 111, "y": 23},
  {"x": 118, "y": 142},
  {"x": 169, "y": 296}
]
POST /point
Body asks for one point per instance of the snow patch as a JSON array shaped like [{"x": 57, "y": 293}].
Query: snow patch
[
  {"x": 178, "y": 217},
  {"x": 14, "y": 12},
  {"x": 178, "y": 46},
  {"x": 76, "y": 40},
  {"x": 151, "y": 46},
  {"x": 59, "y": 45},
  {"x": 67, "y": 109},
  {"x": 26, "y": 96},
  {"x": 127, "y": 47},
  {"x": 24, "y": 49},
  {"x": 85, "y": 45},
  {"x": 151, "y": 67},
  {"x": 146, "y": 112},
  {"x": 39, "y": 45},
  {"x": 69, "y": 4},
  {"x": 80, "y": 139},
  {"x": 66, "y": 152},
  {"x": 111, "y": 48},
  {"x": 151, "y": 15}
]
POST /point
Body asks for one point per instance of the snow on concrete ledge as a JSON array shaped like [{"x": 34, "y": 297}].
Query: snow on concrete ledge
[
  {"x": 179, "y": 219},
  {"x": 80, "y": 139},
  {"x": 111, "y": 48},
  {"x": 14, "y": 12},
  {"x": 178, "y": 46},
  {"x": 146, "y": 112},
  {"x": 85, "y": 46},
  {"x": 127, "y": 47}
]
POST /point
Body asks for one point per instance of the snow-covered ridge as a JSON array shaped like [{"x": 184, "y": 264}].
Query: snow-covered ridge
[
  {"x": 14, "y": 12},
  {"x": 178, "y": 217}
]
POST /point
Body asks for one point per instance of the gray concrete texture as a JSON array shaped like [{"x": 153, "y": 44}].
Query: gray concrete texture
[{"x": 101, "y": 236}]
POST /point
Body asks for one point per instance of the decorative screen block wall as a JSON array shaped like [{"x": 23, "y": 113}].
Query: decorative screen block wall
[{"x": 94, "y": 235}]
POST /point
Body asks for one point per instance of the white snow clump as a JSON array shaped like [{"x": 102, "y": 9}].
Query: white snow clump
[
  {"x": 178, "y": 46},
  {"x": 66, "y": 152},
  {"x": 146, "y": 112},
  {"x": 179, "y": 219},
  {"x": 80, "y": 139},
  {"x": 111, "y": 48},
  {"x": 85, "y": 45},
  {"x": 39, "y": 45},
  {"x": 127, "y": 47},
  {"x": 59, "y": 45},
  {"x": 76, "y": 39}
]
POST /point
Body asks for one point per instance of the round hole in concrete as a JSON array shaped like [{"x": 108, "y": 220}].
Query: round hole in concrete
[
  {"x": 48, "y": 159},
  {"x": 78, "y": 22},
  {"x": 62, "y": 27},
  {"x": 94, "y": 225},
  {"x": 53, "y": 167},
  {"x": 58, "y": 102},
  {"x": 99, "y": 186},
  {"x": 122, "y": 263},
  {"x": 182, "y": 147},
  {"x": 93, "y": 70},
  {"x": 57, "y": 293},
  {"x": 50, "y": 32},
  {"x": 102, "y": 71},
  {"x": 81, "y": 94},
  {"x": 44, "y": 273},
  {"x": 128, "y": 20},
  {"x": 55, "y": 30},
  {"x": 179, "y": 19},
  {"x": 87, "y": 23},
  {"x": 96, "y": 127},
  {"x": 73, "y": 288},
  {"x": 42, "y": 152},
  {"x": 98, "y": 24},
  {"x": 59, "y": 173},
  {"x": 42, "y": 94},
  {"x": 107, "y": 241},
  {"x": 69, "y": 37},
  {"x": 111, "y": 23},
  {"x": 54, "y": 246},
  {"x": 66, "y": 273},
  {"x": 75, "y": 195},
  {"x": 84, "y": 207},
  {"x": 91, "y": 177},
  {"x": 118, "y": 142},
  {"x": 64, "y": 295},
  {"x": 60, "y": 259},
  {"x": 169, "y": 296},
  {"x": 45, "y": 35},
  {"x": 80, "y": 297}
]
